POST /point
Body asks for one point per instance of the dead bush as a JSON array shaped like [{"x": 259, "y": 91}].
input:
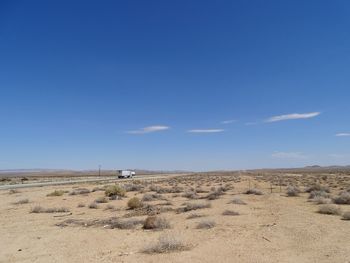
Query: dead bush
[
  {"x": 230, "y": 213},
  {"x": 194, "y": 206},
  {"x": 81, "y": 205},
  {"x": 329, "y": 210},
  {"x": 134, "y": 203},
  {"x": 39, "y": 209},
  {"x": 21, "y": 202},
  {"x": 166, "y": 243},
  {"x": 101, "y": 199},
  {"x": 155, "y": 222},
  {"x": 190, "y": 195},
  {"x": 206, "y": 224},
  {"x": 133, "y": 187},
  {"x": 115, "y": 190},
  {"x": 346, "y": 216},
  {"x": 292, "y": 190},
  {"x": 123, "y": 223},
  {"x": 317, "y": 187},
  {"x": 151, "y": 197},
  {"x": 343, "y": 198},
  {"x": 319, "y": 200},
  {"x": 56, "y": 193},
  {"x": 110, "y": 207},
  {"x": 192, "y": 216},
  {"x": 80, "y": 191},
  {"x": 318, "y": 193},
  {"x": 253, "y": 191},
  {"x": 93, "y": 205},
  {"x": 237, "y": 201}
]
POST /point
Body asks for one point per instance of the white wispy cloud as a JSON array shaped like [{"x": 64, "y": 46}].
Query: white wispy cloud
[
  {"x": 293, "y": 116},
  {"x": 289, "y": 155},
  {"x": 149, "y": 129},
  {"x": 206, "y": 130},
  {"x": 228, "y": 121},
  {"x": 343, "y": 134}
]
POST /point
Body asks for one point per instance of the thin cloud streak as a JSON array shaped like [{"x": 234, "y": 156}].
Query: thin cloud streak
[
  {"x": 343, "y": 134},
  {"x": 293, "y": 116},
  {"x": 206, "y": 130},
  {"x": 149, "y": 129},
  {"x": 228, "y": 121}
]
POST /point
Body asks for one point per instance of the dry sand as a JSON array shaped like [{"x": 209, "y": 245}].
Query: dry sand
[{"x": 270, "y": 228}]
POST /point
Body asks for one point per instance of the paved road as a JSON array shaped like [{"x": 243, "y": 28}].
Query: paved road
[{"x": 87, "y": 180}]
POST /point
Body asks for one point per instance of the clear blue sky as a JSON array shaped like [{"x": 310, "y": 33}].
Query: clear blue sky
[{"x": 196, "y": 85}]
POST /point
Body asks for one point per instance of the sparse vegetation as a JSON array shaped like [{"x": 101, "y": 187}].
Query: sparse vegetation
[
  {"x": 156, "y": 222},
  {"x": 80, "y": 191},
  {"x": 166, "y": 243},
  {"x": 238, "y": 201},
  {"x": 101, "y": 199},
  {"x": 194, "y": 206},
  {"x": 81, "y": 205},
  {"x": 56, "y": 193},
  {"x": 230, "y": 213},
  {"x": 21, "y": 201},
  {"x": 192, "y": 216},
  {"x": 206, "y": 224},
  {"x": 346, "y": 216},
  {"x": 343, "y": 198},
  {"x": 292, "y": 190},
  {"x": 329, "y": 210},
  {"x": 39, "y": 209},
  {"x": 253, "y": 191},
  {"x": 115, "y": 190},
  {"x": 93, "y": 205},
  {"x": 134, "y": 203}
]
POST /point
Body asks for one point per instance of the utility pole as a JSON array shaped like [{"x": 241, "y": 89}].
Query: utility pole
[{"x": 99, "y": 170}]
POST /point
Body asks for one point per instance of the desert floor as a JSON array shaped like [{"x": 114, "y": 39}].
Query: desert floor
[{"x": 271, "y": 227}]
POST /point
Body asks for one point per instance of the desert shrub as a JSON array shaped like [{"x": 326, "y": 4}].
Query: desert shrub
[
  {"x": 343, "y": 198},
  {"x": 93, "y": 205},
  {"x": 95, "y": 189},
  {"x": 124, "y": 223},
  {"x": 230, "y": 213},
  {"x": 39, "y": 209},
  {"x": 318, "y": 193},
  {"x": 110, "y": 207},
  {"x": 81, "y": 205},
  {"x": 134, "y": 203},
  {"x": 292, "y": 190},
  {"x": 206, "y": 224},
  {"x": 151, "y": 197},
  {"x": 132, "y": 187},
  {"x": 194, "y": 206},
  {"x": 317, "y": 187},
  {"x": 253, "y": 191},
  {"x": 329, "y": 210},
  {"x": 238, "y": 201},
  {"x": 166, "y": 243},
  {"x": 319, "y": 200},
  {"x": 192, "y": 216},
  {"x": 155, "y": 222},
  {"x": 101, "y": 199},
  {"x": 346, "y": 216},
  {"x": 190, "y": 195},
  {"x": 21, "y": 202},
  {"x": 56, "y": 193},
  {"x": 115, "y": 190},
  {"x": 80, "y": 191},
  {"x": 215, "y": 194},
  {"x": 14, "y": 191}
]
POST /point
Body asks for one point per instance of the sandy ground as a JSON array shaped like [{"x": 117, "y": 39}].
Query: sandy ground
[{"x": 270, "y": 228}]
